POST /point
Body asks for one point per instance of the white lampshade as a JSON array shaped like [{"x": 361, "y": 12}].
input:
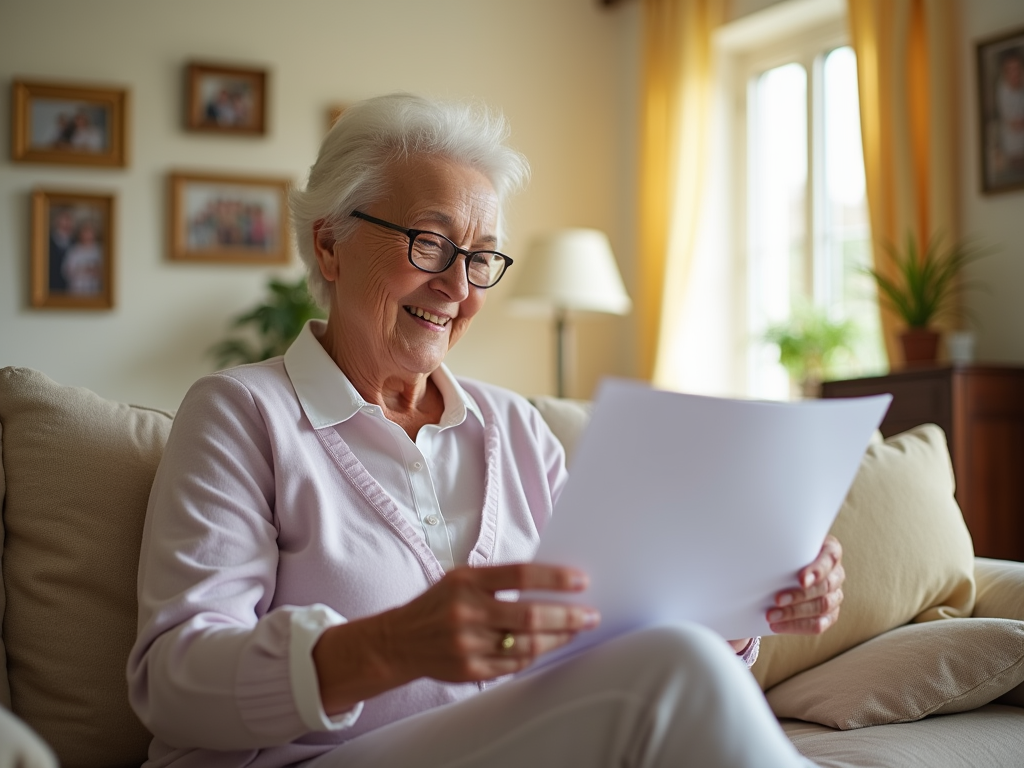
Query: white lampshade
[{"x": 571, "y": 269}]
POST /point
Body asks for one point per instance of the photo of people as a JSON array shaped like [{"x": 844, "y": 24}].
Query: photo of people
[
  {"x": 225, "y": 99},
  {"x": 68, "y": 124},
  {"x": 76, "y": 250},
  {"x": 229, "y": 219},
  {"x": 63, "y": 124},
  {"x": 72, "y": 250},
  {"x": 1001, "y": 80}
]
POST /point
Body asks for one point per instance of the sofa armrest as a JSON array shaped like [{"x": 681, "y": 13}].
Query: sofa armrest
[
  {"x": 1000, "y": 589},
  {"x": 20, "y": 747}
]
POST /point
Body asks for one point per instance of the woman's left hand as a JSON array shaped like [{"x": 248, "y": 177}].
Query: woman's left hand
[{"x": 814, "y": 606}]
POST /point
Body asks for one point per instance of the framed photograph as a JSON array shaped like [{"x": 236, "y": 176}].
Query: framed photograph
[
  {"x": 72, "y": 250},
  {"x": 226, "y": 99},
  {"x": 70, "y": 124},
  {"x": 229, "y": 219},
  {"x": 1001, "y": 103}
]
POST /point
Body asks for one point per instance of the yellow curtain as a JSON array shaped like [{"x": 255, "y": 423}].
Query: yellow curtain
[
  {"x": 675, "y": 127},
  {"x": 906, "y": 70}
]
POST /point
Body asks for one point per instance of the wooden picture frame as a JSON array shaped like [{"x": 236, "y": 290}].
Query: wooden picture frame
[
  {"x": 69, "y": 124},
  {"x": 229, "y": 219},
  {"x": 72, "y": 250},
  {"x": 224, "y": 99},
  {"x": 1000, "y": 63},
  {"x": 334, "y": 112}
]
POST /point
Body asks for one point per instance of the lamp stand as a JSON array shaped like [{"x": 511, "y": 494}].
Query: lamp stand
[{"x": 563, "y": 344}]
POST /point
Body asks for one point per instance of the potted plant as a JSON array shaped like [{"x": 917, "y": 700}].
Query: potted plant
[
  {"x": 922, "y": 289},
  {"x": 275, "y": 323},
  {"x": 811, "y": 344}
]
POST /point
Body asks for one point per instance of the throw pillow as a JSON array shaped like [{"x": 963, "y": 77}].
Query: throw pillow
[
  {"x": 907, "y": 553},
  {"x": 936, "y": 668},
  {"x": 78, "y": 470}
]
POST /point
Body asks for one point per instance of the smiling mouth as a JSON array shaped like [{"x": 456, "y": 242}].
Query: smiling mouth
[{"x": 430, "y": 318}]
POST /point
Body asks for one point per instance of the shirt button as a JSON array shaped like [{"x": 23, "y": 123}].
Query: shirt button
[
  {"x": 417, "y": 465},
  {"x": 431, "y": 520}
]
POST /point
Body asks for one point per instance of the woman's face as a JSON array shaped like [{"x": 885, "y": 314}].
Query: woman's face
[{"x": 402, "y": 318}]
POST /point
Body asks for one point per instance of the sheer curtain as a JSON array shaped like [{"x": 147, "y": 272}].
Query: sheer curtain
[
  {"x": 675, "y": 138},
  {"x": 907, "y": 75}
]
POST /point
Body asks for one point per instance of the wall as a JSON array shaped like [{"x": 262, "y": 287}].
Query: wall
[
  {"x": 562, "y": 70},
  {"x": 996, "y": 312}
]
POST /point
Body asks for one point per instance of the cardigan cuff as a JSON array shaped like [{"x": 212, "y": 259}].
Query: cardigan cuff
[
  {"x": 749, "y": 654},
  {"x": 307, "y": 625}
]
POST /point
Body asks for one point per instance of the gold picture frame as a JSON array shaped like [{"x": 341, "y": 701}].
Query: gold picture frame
[
  {"x": 225, "y": 99},
  {"x": 1000, "y": 65},
  {"x": 72, "y": 251},
  {"x": 229, "y": 219},
  {"x": 69, "y": 124}
]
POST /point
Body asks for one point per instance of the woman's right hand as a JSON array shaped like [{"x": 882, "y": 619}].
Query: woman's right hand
[{"x": 452, "y": 632}]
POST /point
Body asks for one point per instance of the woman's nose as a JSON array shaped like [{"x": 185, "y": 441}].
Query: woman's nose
[{"x": 454, "y": 281}]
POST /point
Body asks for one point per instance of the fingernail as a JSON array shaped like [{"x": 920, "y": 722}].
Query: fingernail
[
  {"x": 578, "y": 581},
  {"x": 775, "y": 614},
  {"x": 809, "y": 578},
  {"x": 785, "y": 599},
  {"x": 591, "y": 619}
]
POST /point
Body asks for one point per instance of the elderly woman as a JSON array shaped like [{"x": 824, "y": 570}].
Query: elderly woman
[{"x": 328, "y": 531}]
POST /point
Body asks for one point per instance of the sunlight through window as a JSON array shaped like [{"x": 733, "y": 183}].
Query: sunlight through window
[{"x": 808, "y": 236}]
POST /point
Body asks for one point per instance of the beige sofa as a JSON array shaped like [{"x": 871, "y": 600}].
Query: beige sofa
[{"x": 904, "y": 679}]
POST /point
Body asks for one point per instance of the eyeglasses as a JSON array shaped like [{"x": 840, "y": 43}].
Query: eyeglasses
[{"x": 431, "y": 252}]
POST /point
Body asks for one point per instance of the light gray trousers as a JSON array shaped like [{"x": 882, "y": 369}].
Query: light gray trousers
[{"x": 668, "y": 696}]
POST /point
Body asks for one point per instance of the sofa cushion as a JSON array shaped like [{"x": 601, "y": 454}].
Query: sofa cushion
[
  {"x": 1000, "y": 589},
  {"x": 566, "y": 419},
  {"x": 5, "y": 688},
  {"x": 906, "y": 550},
  {"x": 78, "y": 470},
  {"x": 935, "y": 668},
  {"x": 990, "y": 737},
  {"x": 1001, "y": 595}
]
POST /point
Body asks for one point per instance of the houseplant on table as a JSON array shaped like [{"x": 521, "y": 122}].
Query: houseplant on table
[
  {"x": 923, "y": 288},
  {"x": 811, "y": 344}
]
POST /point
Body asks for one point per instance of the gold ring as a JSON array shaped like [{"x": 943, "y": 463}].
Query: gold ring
[{"x": 508, "y": 642}]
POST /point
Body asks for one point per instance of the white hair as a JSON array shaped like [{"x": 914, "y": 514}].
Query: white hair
[{"x": 351, "y": 169}]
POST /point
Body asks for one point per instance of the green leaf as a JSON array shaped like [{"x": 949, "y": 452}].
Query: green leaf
[
  {"x": 273, "y": 324},
  {"x": 811, "y": 342},
  {"x": 925, "y": 282}
]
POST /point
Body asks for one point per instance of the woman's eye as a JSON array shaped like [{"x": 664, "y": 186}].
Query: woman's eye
[{"x": 431, "y": 243}]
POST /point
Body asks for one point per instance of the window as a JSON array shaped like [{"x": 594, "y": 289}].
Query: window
[{"x": 799, "y": 191}]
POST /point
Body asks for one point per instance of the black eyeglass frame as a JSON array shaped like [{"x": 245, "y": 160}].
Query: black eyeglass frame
[{"x": 412, "y": 235}]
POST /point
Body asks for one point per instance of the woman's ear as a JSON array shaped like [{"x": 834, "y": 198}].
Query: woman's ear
[{"x": 323, "y": 244}]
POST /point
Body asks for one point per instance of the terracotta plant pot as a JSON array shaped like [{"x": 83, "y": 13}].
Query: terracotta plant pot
[{"x": 920, "y": 345}]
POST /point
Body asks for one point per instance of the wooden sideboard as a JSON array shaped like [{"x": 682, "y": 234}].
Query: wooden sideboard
[{"x": 981, "y": 410}]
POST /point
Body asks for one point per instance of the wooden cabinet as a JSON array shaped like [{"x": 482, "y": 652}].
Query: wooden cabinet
[{"x": 981, "y": 410}]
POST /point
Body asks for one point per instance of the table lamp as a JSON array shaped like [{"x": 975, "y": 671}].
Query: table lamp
[{"x": 570, "y": 270}]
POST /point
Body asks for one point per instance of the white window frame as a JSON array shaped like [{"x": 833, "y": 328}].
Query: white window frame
[{"x": 791, "y": 31}]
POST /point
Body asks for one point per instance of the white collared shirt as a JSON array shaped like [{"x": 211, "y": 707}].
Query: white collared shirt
[{"x": 437, "y": 481}]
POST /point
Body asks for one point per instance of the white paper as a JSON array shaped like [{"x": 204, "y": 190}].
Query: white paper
[{"x": 700, "y": 509}]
